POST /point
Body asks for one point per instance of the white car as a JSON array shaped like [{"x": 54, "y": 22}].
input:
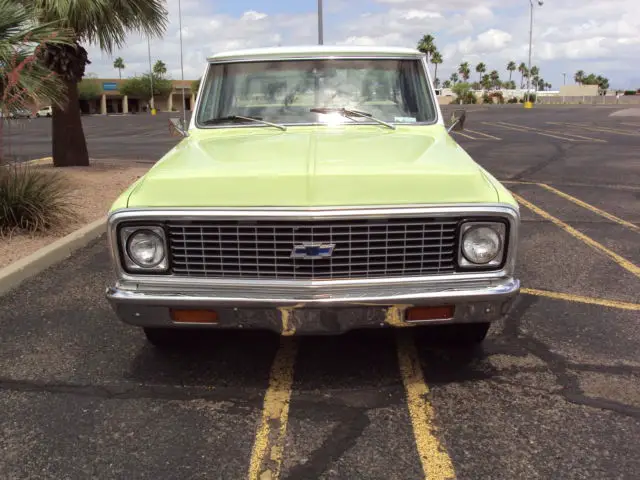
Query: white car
[{"x": 45, "y": 112}]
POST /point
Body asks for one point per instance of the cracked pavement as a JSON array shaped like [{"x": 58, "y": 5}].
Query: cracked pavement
[{"x": 553, "y": 393}]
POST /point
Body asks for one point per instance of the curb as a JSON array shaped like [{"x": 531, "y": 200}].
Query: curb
[{"x": 14, "y": 274}]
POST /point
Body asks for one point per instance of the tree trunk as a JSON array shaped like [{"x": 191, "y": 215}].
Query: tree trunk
[
  {"x": 69, "y": 147},
  {"x": 435, "y": 75}
]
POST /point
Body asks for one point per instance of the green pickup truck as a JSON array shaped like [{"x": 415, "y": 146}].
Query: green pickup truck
[{"x": 316, "y": 190}]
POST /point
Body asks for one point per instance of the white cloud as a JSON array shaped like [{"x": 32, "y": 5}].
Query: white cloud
[{"x": 568, "y": 35}]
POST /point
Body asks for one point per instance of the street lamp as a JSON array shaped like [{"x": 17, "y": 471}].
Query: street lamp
[
  {"x": 540, "y": 2},
  {"x": 320, "y": 26},
  {"x": 184, "y": 103},
  {"x": 564, "y": 78}
]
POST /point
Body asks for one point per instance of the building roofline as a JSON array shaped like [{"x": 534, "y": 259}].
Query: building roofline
[{"x": 306, "y": 51}]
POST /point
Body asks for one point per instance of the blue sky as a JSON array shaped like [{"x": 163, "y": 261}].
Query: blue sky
[{"x": 569, "y": 35}]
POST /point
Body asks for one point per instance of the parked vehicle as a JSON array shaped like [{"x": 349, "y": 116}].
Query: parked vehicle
[
  {"x": 45, "y": 112},
  {"x": 21, "y": 113},
  {"x": 316, "y": 190}
]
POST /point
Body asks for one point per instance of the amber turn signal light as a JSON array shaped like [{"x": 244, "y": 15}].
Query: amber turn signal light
[
  {"x": 194, "y": 316},
  {"x": 422, "y": 314}
]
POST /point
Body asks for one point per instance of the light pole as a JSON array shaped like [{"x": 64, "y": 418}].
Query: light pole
[
  {"x": 184, "y": 103},
  {"x": 564, "y": 78},
  {"x": 320, "y": 26},
  {"x": 540, "y": 2},
  {"x": 150, "y": 74}
]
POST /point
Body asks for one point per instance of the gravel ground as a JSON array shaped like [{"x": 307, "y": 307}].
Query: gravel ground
[{"x": 95, "y": 188}]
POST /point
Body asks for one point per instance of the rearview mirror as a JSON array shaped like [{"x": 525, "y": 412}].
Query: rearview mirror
[
  {"x": 457, "y": 120},
  {"x": 177, "y": 127}
]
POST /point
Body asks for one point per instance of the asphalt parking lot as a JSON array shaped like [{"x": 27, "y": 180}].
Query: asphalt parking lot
[{"x": 553, "y": 393}]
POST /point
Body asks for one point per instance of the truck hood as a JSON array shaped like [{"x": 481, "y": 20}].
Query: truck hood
[{"x": 314, "y": 166}]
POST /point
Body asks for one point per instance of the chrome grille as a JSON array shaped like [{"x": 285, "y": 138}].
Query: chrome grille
[{"x": 365, "y": 248}]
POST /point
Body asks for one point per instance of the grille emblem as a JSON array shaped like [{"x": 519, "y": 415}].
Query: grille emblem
[{"x": 313, "y": 250}]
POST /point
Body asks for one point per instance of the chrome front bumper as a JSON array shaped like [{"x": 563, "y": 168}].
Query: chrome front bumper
[{"x": 312, "y": 309}]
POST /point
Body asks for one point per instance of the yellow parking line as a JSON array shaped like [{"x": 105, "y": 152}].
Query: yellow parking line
[
  {"x": 602, "y": 213},
  {"x": 561, "y": 133},
  {"x": 268, "y": 446},
  {"x": 517, "y": 182},
  {"x": 580, "y": 299},
  {"x": 436, "y": 463},
  {"x": 482, "y": 133},
  {"x": 623, "y": 262},
  {"x": 465, "y": 135},
  {"x": 528, "y": 131},
  {"x": 597, "y": 129}
]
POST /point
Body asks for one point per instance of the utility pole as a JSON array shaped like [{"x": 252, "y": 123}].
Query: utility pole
[
  {"x": 184, "y": 103},
  {"x": 540, "y": 2},
  {"x": 150, "y": 74},
  {"x": 320, "y": 24},
  {"x": 564, "y": 81}
]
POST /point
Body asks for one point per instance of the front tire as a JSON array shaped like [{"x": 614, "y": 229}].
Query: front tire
[
  {"x": 163, "y": 338},
  {"x": 467, "y": 335}
]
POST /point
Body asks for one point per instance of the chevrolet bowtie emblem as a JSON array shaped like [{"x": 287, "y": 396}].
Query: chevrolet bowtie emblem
[{"x": 313, "y": 250}]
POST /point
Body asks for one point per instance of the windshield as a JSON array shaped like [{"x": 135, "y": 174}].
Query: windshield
[{"x": 285, "y": 91}]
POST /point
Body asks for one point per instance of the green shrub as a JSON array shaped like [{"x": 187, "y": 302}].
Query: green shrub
[
  {"x": 32, "y": 200},
  {"x": 498, "y": 96},
  {"x": 486, "y": 98},
  {"x": 512, "y": 100},
  {"x": 630, "y": 92}
]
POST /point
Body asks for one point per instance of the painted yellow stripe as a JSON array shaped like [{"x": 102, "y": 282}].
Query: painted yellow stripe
[
  {"x": 580, "y": 299},
  {"x": 268, "y": 446},
  {"x": 623, "y": 262},
  {"x": 596, "y": 210},
  {"x": 565, "y": 134},
  {"x": 482, "y": 133},
  {"x": 465, "y": 135},
  {"x": 597, "y": 129},
  {"x": 528, "y": 131},
  {"x": 517, "y": 182},
  {"x": 436, "y": 463}
]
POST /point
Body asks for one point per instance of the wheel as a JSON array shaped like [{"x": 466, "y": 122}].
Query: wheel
[
  {"x": 37, "y": 115},
  {"x": 467, "y": 335},
  {"x": 163, "y": 338}
]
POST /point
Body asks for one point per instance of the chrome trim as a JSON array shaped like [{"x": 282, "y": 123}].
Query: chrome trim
[
  {"x": 127, "y": 232},
  {"x": 311, "y": 56},
  {"x": 301, "y": 213}
]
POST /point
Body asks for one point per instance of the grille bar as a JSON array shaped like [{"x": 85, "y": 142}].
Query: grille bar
[{"x": 262, "y": 249}]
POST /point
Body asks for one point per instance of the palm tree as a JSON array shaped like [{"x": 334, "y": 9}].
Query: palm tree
[
  {"x": 579, "y": 77},
  {"x": 160, "y": 68},
  {"x": 101, "y": 22},
  {"x": 23, "y": 80},
  {"x": 548, "y": 86},
  {"x": 495, "y": 78},
  {"x": 464, "y": 70},
  {"x": 427, "y": 45},
  {"x": 524, "y": 71},
  {"x": 511, "y": 67},
  {"x": 481, "y": 68},
  {"x": 119, "y": 64},
  {"x": 446, "y": 84},
  {"x": 535, "y": 71},
  {"x": 454, "y": 78},
  {"x": 486, "y": 82},
  {"x": 436, "y": 59},
  {"x": 436, "y": 83}
]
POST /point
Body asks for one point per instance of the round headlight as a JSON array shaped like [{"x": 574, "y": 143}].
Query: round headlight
[
  {"x": 146, "y": 248},
  {"x": 480, "y": 245}
]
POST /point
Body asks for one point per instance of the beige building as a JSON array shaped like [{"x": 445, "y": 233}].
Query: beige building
[{"x": 112, "y": 101}]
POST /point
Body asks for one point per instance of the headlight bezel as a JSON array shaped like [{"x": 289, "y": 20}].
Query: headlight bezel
[
  {"x": 498, "y": 225},
  {"x": 125, "y": 232}
]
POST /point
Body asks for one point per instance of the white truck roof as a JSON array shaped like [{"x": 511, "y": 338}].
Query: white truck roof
[{"x": 278, "y": 53}]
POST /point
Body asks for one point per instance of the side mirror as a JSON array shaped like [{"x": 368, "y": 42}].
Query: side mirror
[
  {"x": 177, "y": 128},
  {"x": 457, "y": 120}
]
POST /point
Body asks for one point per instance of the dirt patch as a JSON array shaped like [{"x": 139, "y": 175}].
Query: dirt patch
[{"x": 95, "y": 188}]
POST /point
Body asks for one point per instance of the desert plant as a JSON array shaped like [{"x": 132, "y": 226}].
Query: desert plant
[
  {"x": 486, "y": 98},
  {"x": 32, "y": 200},
  {"x": 464, "y": 94},
  {"x": 498, "y": 96}
]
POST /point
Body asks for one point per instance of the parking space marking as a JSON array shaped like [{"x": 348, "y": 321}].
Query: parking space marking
[
  {"x": 565, "y": 134},
  {"x": 580, "y": 299},
  {"x": 436, "y": 463},
  {"x": 485, "y": 134},
  {"x": 596, "y": 210},
  {"x": 630, "y": 124},
  {"x": 597, "y": 129},
  {"x": 623, "y": 262},
  {"x": 268, "y": 446},
  {"x": 465, "y": 135},
  {"x": 528, "y": 131}
]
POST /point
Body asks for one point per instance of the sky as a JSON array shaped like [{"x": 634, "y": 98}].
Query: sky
[{"x": 597, "y": 36}]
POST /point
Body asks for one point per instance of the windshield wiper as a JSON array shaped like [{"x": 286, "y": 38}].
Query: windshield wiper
[
  {"x": 348, "y": 112},
  {"x": 235, "y": 118}
]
